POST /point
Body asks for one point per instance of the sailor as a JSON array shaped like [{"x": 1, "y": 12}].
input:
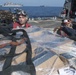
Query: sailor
[
  {"x": 65, "y": 23},
  {"x": 22, "y": 20}
]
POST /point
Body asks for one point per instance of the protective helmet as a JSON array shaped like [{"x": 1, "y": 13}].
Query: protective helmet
[
  {"x": 65, "y": 21},
  {"x": 22, "y": 12}
]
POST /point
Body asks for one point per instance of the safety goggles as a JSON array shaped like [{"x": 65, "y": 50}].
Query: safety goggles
[{"x": 22, "y": 13}]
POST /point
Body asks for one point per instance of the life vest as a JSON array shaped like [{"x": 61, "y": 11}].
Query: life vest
[
  {"x": 16, "y": 24},
  {"x": 8, "y": 69}
]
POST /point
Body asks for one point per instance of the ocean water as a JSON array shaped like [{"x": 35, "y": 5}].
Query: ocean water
[{"x": 37, "y": 11}]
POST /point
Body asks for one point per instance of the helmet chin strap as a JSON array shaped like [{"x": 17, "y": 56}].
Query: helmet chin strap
[{"x": 27, "y": 18}]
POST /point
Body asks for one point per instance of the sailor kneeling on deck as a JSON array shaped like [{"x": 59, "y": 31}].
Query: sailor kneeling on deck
[
  {"x": 22, "y": 20},
  {"x": 66, "y": 30},
  {"x": 64, "y": 23}
]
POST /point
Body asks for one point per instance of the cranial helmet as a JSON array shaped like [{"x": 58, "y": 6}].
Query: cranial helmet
[
  {"x": 65, "y": 21},
  {"x": 22, "y": 12}
]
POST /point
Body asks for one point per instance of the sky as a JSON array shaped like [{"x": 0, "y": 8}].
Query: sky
[{"x": 36, "y": 2}]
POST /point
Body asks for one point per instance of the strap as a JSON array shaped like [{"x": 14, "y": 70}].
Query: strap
[
  {"x": 9, "y": 60},
  {"x": 11, "y": 54}
]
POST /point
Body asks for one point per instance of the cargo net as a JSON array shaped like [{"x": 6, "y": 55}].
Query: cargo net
[
  {"x": 6, "y": 17},
  {"x": 16, "y": 54}
]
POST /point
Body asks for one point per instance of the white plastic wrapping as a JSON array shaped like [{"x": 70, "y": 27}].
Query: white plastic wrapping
[{"x": 43, "y": 39}]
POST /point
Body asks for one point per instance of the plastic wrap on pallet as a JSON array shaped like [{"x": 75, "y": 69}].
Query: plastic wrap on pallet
[{"x": 44, "y": 41}]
